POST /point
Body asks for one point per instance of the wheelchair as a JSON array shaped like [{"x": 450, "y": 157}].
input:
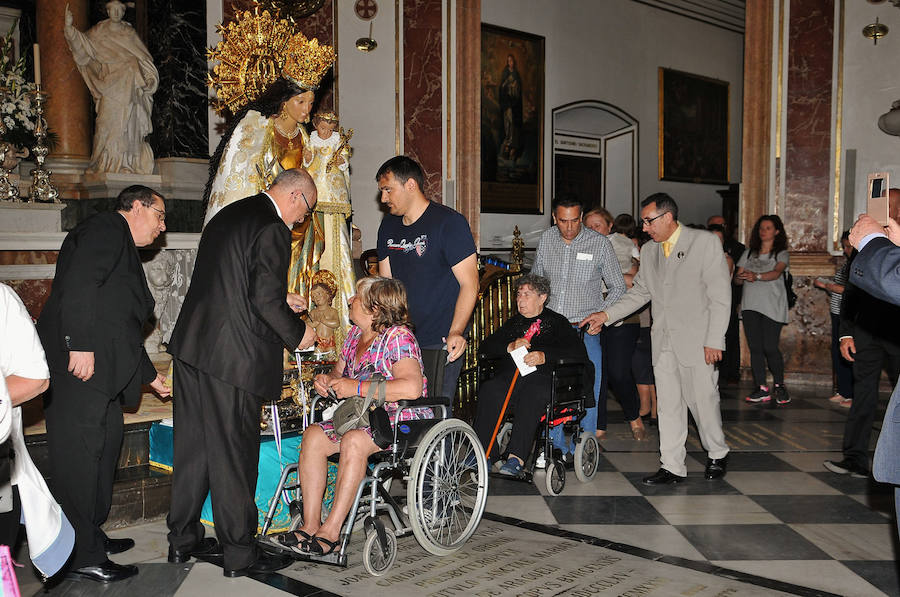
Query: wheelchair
[
  {"x": 570, "y": 397},
  {"x": 446, "y": 473}
]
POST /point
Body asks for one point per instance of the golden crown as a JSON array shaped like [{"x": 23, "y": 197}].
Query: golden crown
[
  {"x": 326, "y": 279},
  {"x": 326, "y": 115},
  {"x": 307, "y": 61},
  {"x": 255, "y": 51}
]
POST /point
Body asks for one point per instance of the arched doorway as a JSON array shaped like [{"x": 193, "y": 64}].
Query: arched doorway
[{"x": 595, "y": 149}]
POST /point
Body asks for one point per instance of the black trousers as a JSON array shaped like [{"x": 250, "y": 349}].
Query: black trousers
[
  {"x": 619, "y": 344},
  {"x": 528, "y": 402},
  {"x": 84, "y": 438},
  {"x": 872, "y": 354},
  {"x": 216, "y": 450},
  {"x": 763, "y": 335}
]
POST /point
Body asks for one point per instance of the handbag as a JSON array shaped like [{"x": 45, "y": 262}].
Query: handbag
[
  {"x": 789, "y": 289},
  {"x": 355, "y": 412}
]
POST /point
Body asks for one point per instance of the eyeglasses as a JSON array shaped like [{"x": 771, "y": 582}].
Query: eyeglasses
[
  {"x": 648, "y": 221},
  {"x": 308, "y": 208},
  {"x": 162, "y": 215}
]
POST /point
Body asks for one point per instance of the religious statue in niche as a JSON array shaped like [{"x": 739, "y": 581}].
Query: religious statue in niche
[
  {"x": 122, "y": 78},
  {"x": 268, "y": 84},
  {"x": 324, "y": 317}
]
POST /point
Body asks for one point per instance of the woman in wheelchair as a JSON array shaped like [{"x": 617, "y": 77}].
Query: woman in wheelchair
[
  {"x": 555, "y": 339},
  {"x": 379, "y": 343}
]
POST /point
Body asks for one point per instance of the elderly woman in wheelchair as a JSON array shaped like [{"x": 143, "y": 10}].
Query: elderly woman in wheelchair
[
  {"x": 549, "y": 338},
  {"x": 379, "y": 346}
]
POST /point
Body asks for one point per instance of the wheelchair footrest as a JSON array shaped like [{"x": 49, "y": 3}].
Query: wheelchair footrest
[
  {"x": 524, "y": 475},
  {"x": 334, "y": 558}
]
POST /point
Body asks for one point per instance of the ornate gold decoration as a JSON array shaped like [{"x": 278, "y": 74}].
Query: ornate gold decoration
[
  {"x": 296, "y": 9},
  {"x": 326, "y": 279},
  {"x": 256, "y": 49},
  {"x": 251, "y": 56},
  {"x": 328, "y": 116},
  {"x": 345, "y": 143},
  {"x": 307, "y": 61}
]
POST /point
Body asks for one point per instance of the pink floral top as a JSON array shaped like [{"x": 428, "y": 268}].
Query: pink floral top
[{"x": 388, "y": 348}]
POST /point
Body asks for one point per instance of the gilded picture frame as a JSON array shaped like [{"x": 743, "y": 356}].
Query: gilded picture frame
[
  {"x": 512, "y": 121},
  {"x": 693, "y": 128}
]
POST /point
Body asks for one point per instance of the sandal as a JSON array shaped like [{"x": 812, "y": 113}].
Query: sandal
[
  {"x": 290, "y": 539},
  {"x": 313, "y": 546}
]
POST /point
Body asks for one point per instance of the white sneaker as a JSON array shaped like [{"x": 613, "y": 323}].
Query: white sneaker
[{"x": 541, "y": 462}]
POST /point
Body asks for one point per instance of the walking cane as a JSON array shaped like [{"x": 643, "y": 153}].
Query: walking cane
[
  {"x": 533, "y": 330},
  {"x": 502, "y": 412}
]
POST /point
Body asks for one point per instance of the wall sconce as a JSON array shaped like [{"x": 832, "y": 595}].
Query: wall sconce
[
  {"x": 366, "y": 10},
  {"x": 875, "y": 31},
  {"x": 890, "y": 121}
]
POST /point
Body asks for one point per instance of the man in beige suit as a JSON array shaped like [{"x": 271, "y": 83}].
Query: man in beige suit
[{"x": 684, "y": 274}]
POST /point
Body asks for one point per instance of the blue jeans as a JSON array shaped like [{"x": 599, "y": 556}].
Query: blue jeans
[{"x": 589, "y": 422}]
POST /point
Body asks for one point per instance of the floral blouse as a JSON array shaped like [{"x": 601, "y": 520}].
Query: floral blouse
[{"x": 387, "y": 349}]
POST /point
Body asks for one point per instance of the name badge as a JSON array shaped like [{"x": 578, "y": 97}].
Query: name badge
[{"x": 585, "y": 257}]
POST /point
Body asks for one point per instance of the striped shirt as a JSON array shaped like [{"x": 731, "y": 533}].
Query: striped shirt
[{"x": 577, "y": 272}]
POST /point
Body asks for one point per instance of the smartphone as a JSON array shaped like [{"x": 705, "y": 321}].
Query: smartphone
[{"x": 878, "y": 204}]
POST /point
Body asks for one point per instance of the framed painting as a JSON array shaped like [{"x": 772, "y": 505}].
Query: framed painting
[
  {"x": 512, "y": 121},
  {"x": 693, "y": 128}
]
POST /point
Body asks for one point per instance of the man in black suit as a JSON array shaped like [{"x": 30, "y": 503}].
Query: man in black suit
[
  {"x": 869, "y": 332},
  {"x": 236, "y": 320},
  {"x": 92, "y": 332}
]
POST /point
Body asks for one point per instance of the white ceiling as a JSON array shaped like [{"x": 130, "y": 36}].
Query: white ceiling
[{"x": 727, "y": 14}]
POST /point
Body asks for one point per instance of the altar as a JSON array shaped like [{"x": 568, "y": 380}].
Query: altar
[{"x": 271, "y": 464}]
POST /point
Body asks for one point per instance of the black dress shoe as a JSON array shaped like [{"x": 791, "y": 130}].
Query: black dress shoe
[
  {"x": 208, "y": 547},
  {"x": 663, "y": 477},
  {"x": 106, "y": 572},
  {"x": 716, "y": 467},
  {"x": 265, "y": 562},
  {"x": 114, "y": 546}
]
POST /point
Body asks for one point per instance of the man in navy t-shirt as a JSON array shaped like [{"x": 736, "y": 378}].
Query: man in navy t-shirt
[{"x": 429, "y": 247}]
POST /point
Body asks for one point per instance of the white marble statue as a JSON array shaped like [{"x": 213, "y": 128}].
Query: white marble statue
[{"x": 119, "y": 71}]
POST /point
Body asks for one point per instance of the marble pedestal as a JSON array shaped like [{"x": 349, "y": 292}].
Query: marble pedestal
[
  {"x": 108, "y": 184},
  {"x": 31, "y": 217}
]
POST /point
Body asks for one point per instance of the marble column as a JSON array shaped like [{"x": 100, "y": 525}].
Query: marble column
[
  {"x": 798, "y": 148},
  {"x": 468, "y": 113},
  {"x": 757, "y": 142},
  {"x": 422, "y": 88},
  {"x": 68, "y": 111}
]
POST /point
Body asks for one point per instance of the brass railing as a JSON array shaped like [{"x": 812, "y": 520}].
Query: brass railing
[{"x": 496, "y": 303}]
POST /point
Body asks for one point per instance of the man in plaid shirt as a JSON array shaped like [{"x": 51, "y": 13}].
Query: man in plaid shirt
[{"x": 578, "y": 262}]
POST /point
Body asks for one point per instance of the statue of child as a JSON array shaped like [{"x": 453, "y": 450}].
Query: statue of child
[{"x": 324, "y": 318}]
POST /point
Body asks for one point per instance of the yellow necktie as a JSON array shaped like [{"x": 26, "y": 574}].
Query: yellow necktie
[{"x": 667, "y": 248}]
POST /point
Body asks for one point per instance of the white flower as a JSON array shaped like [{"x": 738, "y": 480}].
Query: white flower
[{"x": 9, "y": 122}]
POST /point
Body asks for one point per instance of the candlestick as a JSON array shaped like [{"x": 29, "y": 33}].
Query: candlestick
[
  {"x": 42, "y": 189},
  {"x": 37, "y": 65}
]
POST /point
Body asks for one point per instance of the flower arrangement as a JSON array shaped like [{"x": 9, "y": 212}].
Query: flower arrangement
[{"x": 16, "y": 97}]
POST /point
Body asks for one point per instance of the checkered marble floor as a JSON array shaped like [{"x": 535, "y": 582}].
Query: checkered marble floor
[
  {"x": 778, "y": 513},
  {"x": 778, "y": 520}
]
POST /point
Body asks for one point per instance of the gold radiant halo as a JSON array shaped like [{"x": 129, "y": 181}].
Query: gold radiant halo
[
  {"x": 251, "y": 55},
  {"x": 297, "y": 9}
]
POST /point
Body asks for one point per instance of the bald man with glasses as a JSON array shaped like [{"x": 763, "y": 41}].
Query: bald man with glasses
[{"x": 228, "y": 343}]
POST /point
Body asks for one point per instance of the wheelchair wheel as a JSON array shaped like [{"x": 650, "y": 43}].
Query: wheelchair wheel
[
  {"x": 374, "y": 559},
  {"x": 555, "y": 476},
  {"x": 503, "y": 437},
  {"x": 447, "y": 488},
  {"x": 587, "y": 457}
]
